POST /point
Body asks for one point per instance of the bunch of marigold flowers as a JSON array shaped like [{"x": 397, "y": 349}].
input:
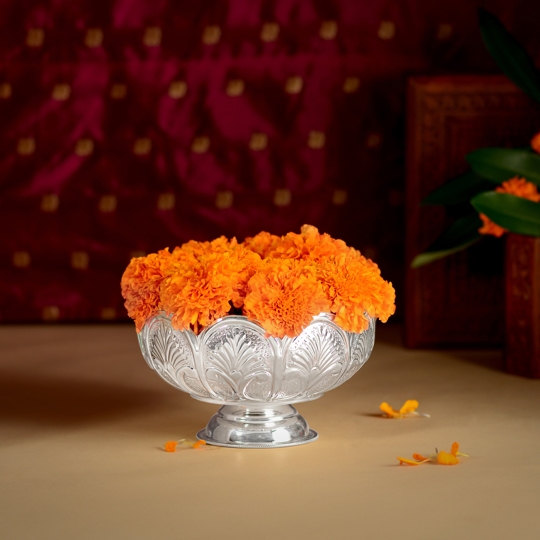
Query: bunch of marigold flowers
[{"x": 280, "y": 282}]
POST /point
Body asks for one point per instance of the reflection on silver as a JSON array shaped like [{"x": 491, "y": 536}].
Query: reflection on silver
[{"x": 255, "y": 378}]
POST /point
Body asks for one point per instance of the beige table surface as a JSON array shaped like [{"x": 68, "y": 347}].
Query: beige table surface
[{"x": 83, "y": 420}]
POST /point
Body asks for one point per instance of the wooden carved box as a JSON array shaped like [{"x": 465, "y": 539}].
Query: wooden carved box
[{"x": 459, "y": 300}]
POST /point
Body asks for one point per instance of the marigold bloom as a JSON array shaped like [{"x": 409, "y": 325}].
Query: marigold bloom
[
  {"x": 515, "y": 186},
  {"x": 355, "y": 288},
  {"x": 284, "y": 296},
  {"x": 535, "y": 143},
  {"x": 310, "y": 245},
  {"x": 141, "y": 283},
  {"x": 198, "y": 291},
  {"x": 262, "y": 243}
]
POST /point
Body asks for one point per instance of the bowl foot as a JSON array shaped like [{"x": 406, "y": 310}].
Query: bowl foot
[{"x": 257, "y": 426}]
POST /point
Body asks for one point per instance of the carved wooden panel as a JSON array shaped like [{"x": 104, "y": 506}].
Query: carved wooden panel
[
  {"x": 459, "y": 300},
  {"x": 523, "y": 306}
]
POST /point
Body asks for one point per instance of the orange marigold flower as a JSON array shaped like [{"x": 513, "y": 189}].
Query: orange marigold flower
[
  {"x": 170, "y": 446},
  {"x": 284, "y": 296},
  {"x": 535, "y": 143},
  {"x": 490, "y": 227},
  {"x": 355, "y": 288},
  {"x": 520, "y": 188},
  {"x": 197, "y": 291},
  {"x": 141, "y": 283},
  {"x": 310, "y": 245},
  {"x": 262, "y": 243},
  {"x": 515, "y": 186}
]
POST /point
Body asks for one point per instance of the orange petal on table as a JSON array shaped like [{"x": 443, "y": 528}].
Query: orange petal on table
[
  {"x": 444, "y": 458},
  {"x": 409, "y": 406},
  {"x": 420, "y": 457},
  {"x": 405, "y": 461},
  {"x": 198, "y": 444},
  {"x": 455, "y": 449},
  {"x": 170, "y": 446},
  {"x": 386, "y": 409}
]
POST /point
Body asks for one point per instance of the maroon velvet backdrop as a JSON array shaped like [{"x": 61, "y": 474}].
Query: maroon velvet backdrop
[{"x": 131, "y": 125}]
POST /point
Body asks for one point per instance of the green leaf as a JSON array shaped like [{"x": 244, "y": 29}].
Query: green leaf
[
  {"x": 518, "y": 215},
  {"x": 460, "y": 235},
  {"x": 459, "y": 189},
  {"x": 510, "y": 56},
  {"x": 500, "y": 164}
]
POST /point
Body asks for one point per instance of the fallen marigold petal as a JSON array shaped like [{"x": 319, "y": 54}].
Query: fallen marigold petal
[
  {"x": 386, "y": 409},
  {"x": 409, "y": 406},
  {"x": 170, "y": 446},
  {"x": 444, "y": 458},
  {"x": 455, "y": 449},
  {"x": 420, "y": 457},
  {"x": 199, "y": 443},
  {"x": 405, "y": 461}
]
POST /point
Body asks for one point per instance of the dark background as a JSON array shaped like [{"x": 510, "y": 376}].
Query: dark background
[{"x": 128, "y": 126}]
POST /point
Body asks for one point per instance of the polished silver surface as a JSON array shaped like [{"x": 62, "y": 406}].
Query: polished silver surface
[
  {"x": 257, "y": 426},
  {"x": 233, "y": 363}
]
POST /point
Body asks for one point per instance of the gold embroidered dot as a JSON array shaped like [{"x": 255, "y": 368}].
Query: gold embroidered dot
[
  {"x": 316, "y": 139},
  {"x": 351, "y": 85},
  {"x": 387, "y": 29},
  {"x": 26, "y": 146},
  {"x": 224, "y": 199},
  {"x": 84, "y": 147},
  {"x": 61, "y": 92},
  {"x": 444, "y": 31},
  {"x": 21, "y": 259},
  {"x": 374, "y": 140},
  {"x": 294, "y": 85},
  {"x": 79, "y": 260},
  {"x": 211, "y": 35},
  {"x": 177, "y": 89},
  {"x": 258, "y": 141},
  {"x": 118, "y": 91},
  {"x": 282, "y": 197},
  {"x": 50, "y": 313},
  {"x": 93, "y": 37},
  {"x": 142, "y": 146},
  {"x": 50, "y": 202},
  {"x": 107, "y": 203},
  {"x": 269, "y": 32},
  {"x": 339, "y": 197},
  {"x": 108, "y": 314},
  {"x": 200, "y": 145},
  {"x": 152, "y": 36},
  {"x": 166, "y": 201},
  {"x": 235, "y": 88},
  {"x": 135, "y": 254},
  {"x": 35, "y": 37},
  {"x": 328, "y": 30},
  {"x": 5, "y": 91}
]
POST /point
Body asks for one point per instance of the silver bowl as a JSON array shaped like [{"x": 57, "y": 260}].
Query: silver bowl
[{"x": 255, "y": 378}]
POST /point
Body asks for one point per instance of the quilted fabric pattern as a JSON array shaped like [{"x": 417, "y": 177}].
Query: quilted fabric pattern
[{"x": 128, "y": 126}]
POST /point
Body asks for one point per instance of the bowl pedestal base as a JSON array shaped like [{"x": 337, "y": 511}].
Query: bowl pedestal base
[{"x": 263, "y": 425}]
